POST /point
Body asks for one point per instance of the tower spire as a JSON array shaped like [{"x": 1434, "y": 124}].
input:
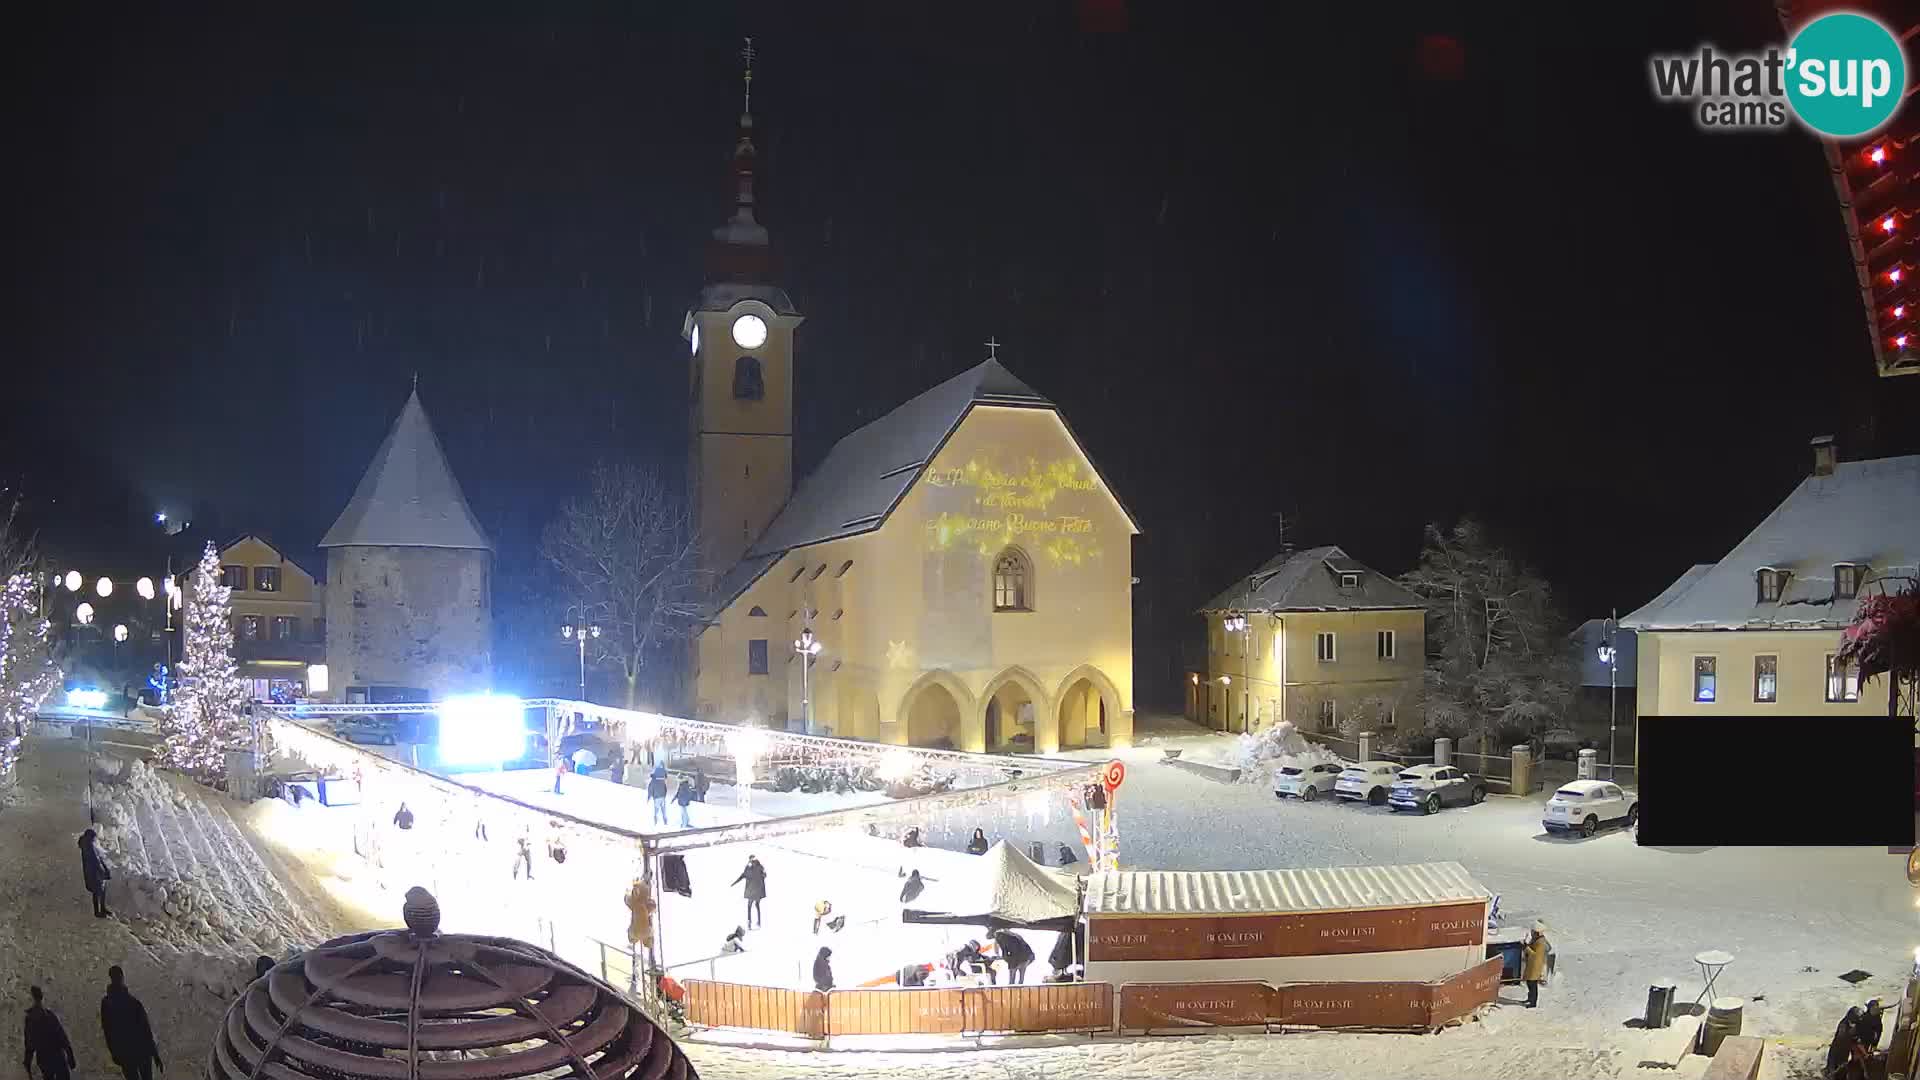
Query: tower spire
[{"x": 740, "y": 248}]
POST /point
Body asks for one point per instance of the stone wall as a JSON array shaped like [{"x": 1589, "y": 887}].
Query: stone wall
[{"x": 416, "y": 617}]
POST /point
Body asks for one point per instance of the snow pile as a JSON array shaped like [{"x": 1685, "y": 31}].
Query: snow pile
[
  {"x": 183, "y": 875},
  {"x": 1278, "y": 745}
]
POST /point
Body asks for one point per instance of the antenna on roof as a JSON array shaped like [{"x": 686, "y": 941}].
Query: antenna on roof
[{"x": 1280, "y": 526}]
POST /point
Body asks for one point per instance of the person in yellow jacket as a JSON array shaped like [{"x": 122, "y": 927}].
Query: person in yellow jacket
[
  {"x": 1533, "y": 963},
  {"x": 641, "y": 903}
]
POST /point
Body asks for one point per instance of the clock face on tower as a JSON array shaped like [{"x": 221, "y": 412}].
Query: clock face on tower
[
  {"x": 694, "y": 339},
  {"x": 749, "y": 332}
]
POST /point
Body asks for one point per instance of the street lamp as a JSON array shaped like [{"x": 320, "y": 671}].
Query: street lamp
[
  {"x": 84, "y": 613},
  {"x": 1610, "y": 657},
  {"x": 104, "y": 587},
  {"x": 578, "y": 633},
  {"x": 144, "y": 587},
  {"x": 72, "y": 581},
  {"x": 808, "y": 648}
]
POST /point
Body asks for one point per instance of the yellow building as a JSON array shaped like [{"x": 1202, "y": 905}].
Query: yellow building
[
  {"x": 1314, "y": 637},
  {"x": 278, "y": 626},
  {"x": 963, "y": 569},
  {"x": 1757, "y": 631}
]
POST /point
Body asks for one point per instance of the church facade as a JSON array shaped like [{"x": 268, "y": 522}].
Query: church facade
[{"x": 962, "y": 572}]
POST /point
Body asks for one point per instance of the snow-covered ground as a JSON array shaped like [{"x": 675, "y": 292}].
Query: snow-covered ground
[{"x": 1621, "y": 917}]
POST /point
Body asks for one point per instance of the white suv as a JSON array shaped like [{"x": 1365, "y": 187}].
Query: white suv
[
  {"x": 1583, "y": 806},
  {"x": 1368, "y": 780},
  {"x": 1306, "y": 782}
]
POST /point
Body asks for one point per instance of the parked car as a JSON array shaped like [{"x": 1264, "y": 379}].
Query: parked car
[
  {"x": 373, "y": 730},
  {"x": 1367, "y": 780},
  {"x": 1427, "y": 788},
  {"x": 1306, "y": 782},
  {"x": 1583, "y": 806}
]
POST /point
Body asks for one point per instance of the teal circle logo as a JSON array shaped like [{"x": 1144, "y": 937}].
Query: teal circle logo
[{"x": 1845, "y": 75}]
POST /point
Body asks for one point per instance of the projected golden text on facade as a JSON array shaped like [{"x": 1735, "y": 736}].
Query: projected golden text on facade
[{"x": 1044, "y": 506}]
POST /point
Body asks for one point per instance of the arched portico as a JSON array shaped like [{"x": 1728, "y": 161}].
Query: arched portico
[
  {"x": 937, "y": 708},
  {"x": 1088, "y": 710},
  {"x": 1015, "y": 713}
]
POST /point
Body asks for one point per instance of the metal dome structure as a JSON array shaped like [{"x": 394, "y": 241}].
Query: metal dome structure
[{"x": 416, "y": 1004}]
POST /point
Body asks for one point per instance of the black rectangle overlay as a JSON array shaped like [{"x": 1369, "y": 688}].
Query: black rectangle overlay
[{"x": 1809, "y": 781}]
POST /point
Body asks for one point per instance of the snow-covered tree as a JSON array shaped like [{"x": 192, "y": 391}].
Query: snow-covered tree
[
  {"x": 208, "y": 715},
  {"x": 27, "y": 669},
  {"x": 1497, "y": 655}
]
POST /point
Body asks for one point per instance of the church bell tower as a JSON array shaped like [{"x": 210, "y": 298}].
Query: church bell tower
[{"x": 740, "y": 336}]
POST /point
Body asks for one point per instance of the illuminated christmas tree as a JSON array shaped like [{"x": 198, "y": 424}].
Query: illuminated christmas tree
[
  {"x": 208, "y": 716},
  {"x": 27, "y": 671}
]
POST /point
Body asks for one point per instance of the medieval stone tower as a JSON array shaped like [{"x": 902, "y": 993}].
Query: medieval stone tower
[{"x": 409, "y": 577}]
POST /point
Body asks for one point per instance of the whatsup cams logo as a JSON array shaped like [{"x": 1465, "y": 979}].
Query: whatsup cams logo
[{"x": 1842, "y": 75}]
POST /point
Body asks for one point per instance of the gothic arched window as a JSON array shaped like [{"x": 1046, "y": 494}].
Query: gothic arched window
[
  {"x": 1012, "y": 581},
  {"x": 748, "y": 384}
]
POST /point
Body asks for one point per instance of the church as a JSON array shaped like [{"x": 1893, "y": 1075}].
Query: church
[{"x": 954, "y": 574}]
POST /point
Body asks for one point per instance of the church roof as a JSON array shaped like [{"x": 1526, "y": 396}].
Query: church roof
[
  {"x": 1309, "y": 580},
  {"x": 408, "y": 497},
  {"x": 869, "y": 471}
]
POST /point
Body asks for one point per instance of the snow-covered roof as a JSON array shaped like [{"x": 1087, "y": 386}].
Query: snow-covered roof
[
  {"x": 722, "y": 295},
  {"x": 869, "y": 471},
  {"x": 1866, "y": 513},
  {"x": 1587, "y": 639},
  {"x": 1309, "y": 580},
  {"x": 408, "y": 497},
  {"x": 1248, "y": 892},
  {"x": 1005, "y": 885}
]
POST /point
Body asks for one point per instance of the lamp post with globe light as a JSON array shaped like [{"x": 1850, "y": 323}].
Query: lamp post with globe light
[
  {"x": 578, "y": 633},
  {"x": 807, "y": 647}
]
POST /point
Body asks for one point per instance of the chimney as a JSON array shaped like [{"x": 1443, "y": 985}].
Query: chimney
[{"x": 1825, "y": 455}]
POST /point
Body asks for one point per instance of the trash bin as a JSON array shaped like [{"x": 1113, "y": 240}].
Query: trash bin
[{"x": 1660, "y": 1003}]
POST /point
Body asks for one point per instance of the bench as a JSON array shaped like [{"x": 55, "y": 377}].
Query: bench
[{"x": 1737, "y": 1059}]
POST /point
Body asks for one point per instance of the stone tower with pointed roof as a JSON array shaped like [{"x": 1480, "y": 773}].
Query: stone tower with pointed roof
[{"x": 409, "y": 574}]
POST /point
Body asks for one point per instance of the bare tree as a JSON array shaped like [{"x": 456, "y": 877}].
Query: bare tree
[{"x": 629, "y": 553}]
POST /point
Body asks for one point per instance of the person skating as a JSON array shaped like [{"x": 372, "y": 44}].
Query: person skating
[
  {"x": 618, "y": 774},
  {"x": 1016, "y": 952},
  {"x": 736, "y": 941},
  {"x": 1533, "y": 963},
  {"x": 700, "y": 785},
  {"x": 684, "y": 797},
  {"x": 523, "y": 856},
  {"x": 823, "y": 970},
  {"x": 46, "y": 1040},
  {"x": 129, "y": 1037},
  {"x": 657, "y": 792},
  {"x": 911, "y": 838},
  {"x": 913, "y": 888},
  {"x": 94, "y": 871},
  {"x": 978, "y": 845},
  {"x": 559, "y": 770},
  {"x": 755, "y": 875},
  {"x": 821, "y": 910},
  {"x": 403, "y": 817}
]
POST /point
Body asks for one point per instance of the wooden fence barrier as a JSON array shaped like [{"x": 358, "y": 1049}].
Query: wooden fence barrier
[
  {"x": 764, "y": 1008},
  {"x": 1051, "y": 1007},
  {"x": 896, "y": 1012}
]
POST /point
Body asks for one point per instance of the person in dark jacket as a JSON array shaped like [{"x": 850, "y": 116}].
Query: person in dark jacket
[
  {"x": 403, "y": 817},
  {"x": 93, "y": 869},
  {"x": 684, "y": 797},
  {"x": 124, "y": 1022},
  {"x": 912, "y": 838},
  {"x": 913, "y": 888},
  {"x": 262, "y": 965},
  {"x": 618, "y": 774},
  {"x": 1840, "y": 1051},
  {"x": 1869, "y": 1030},
  {"x": 755, "y": 875},
  {"x": 823, "y": 970},
  {"x": 978, "y": 845},
  {"x": 523, "y": 856},
  {"x": 1016, "y": 952},
  {"x": 657, "y": 792},
  {"x": 700, "y": 786},
  {"x": 46, "y": 1040}
]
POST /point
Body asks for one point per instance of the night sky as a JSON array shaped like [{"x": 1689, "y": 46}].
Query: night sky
[{"x": 1349, "y": 273}]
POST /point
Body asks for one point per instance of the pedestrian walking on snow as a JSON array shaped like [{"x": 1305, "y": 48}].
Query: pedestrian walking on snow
[
  {"x": 978, "y": 845},
  {"x": 403, "y": 817},
  {"x": 755, "y": 875},
  {"x": 823, "y": 970},
  {"x": 1845, "y": 1034},
  {"x": 523, "y": 857},
  {"x": 684, "y": 797},
  {"x": 129, "y": 1037},
  {"x": 657, "y": 792},
  {"x": 46, "y": 1040},
  {"x": 913, "y": 888},
  {"x": 700, "y": 785},
  {"x": 1533, "y": 963},
  {"x": 93, "y": 869}
]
